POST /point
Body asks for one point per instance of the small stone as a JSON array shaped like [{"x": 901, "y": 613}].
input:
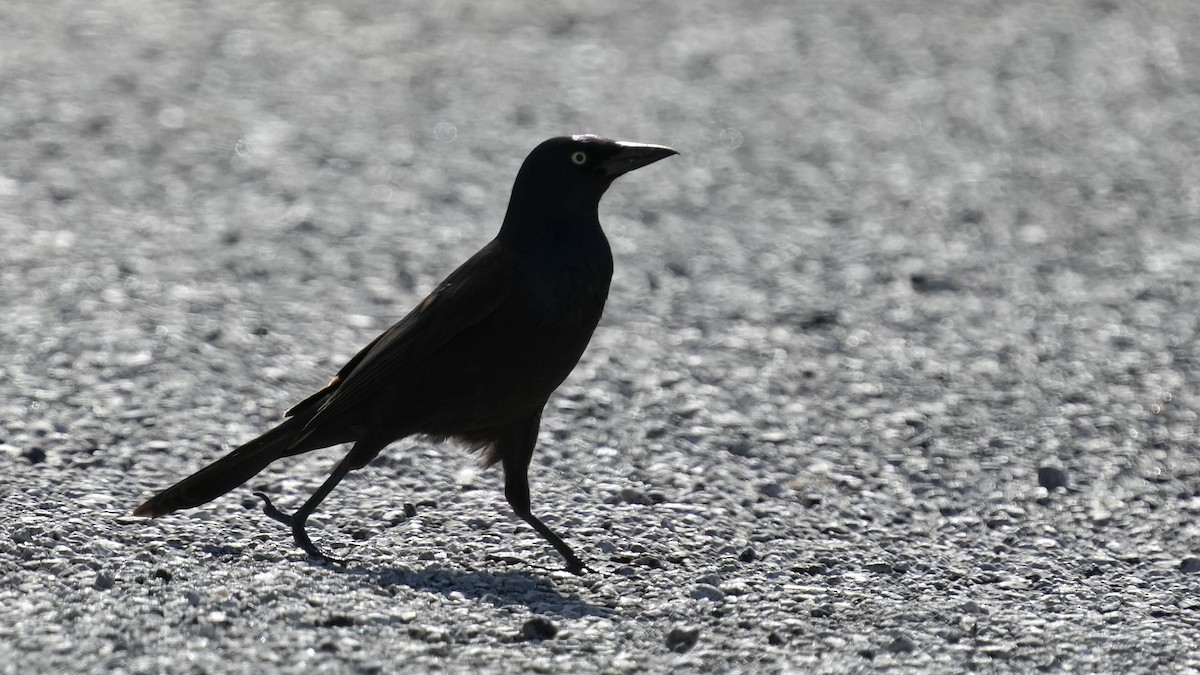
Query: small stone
[
  {"x": 748, "y": 555},
  {"x": 707, "y": 592},
  {"x": 1190, "y": 565},
  {"x": 338, "y": 621},
  {"x": 735, "y": 587},
  {"x": 997, "y": 651},
  {"x": 681, "y": 639},
  {"x": 104, "y": 581},
  {"x": 1051, "y": 477},
  {"x": 820, "y": 318},
  {"x": 772, "y": 490},
  {"x": 927, "y": 283},
  {"x": 34, "y": 455},
  {"x": 775, "y": 639},
  {"x": 879, "y": 568},
  {"x": 648, "y": 561},
  {"x": 632, "y": 496},
  {"x": 539, "y": 628},
  {"x": 902, "y": 644},
  {"x": 951, "y": 636}
]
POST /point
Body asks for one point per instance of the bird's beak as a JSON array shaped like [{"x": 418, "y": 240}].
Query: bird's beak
[{"x": 632, "y": 156}]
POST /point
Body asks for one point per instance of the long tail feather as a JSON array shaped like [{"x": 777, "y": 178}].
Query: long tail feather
[{"x": 226, "y": 473}]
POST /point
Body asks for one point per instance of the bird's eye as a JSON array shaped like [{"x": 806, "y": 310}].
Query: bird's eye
[{"x": 578, "y": 157}]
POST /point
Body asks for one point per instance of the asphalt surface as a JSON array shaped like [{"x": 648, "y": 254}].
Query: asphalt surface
[{"x": 899, "y": 369}]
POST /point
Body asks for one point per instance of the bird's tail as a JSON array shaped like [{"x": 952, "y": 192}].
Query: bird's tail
[{"x": 226, "y": 473}]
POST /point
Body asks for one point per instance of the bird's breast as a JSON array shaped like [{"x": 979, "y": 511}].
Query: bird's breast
[{"x": 558, "y": 309}]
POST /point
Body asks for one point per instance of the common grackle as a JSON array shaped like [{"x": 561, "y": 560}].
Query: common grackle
[{"x": 477, "y": 359}]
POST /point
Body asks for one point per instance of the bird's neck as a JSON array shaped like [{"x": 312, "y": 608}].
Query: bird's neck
[
  {"x": 560, "y": 256},
  {"x": 554, "y": 233}
]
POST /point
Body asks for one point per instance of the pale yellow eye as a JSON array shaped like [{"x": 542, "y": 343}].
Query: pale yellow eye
[{"x": 578, "y": 157}]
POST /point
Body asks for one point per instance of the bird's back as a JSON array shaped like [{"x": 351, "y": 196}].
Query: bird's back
[{"x": 529, "y": 316}]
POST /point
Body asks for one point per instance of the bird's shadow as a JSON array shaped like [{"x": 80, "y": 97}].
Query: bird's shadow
[
  {"x": 501, "y": 589},
  {"x": 532, "y": 589}
]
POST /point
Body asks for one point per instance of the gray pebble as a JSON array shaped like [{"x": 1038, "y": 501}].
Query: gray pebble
[
  {"x": 539, "y": 628},
  {"x": 632, "y": 496},
  {"x": 902, "y": 644},
  {"x": 1051, "y": 477},
  {"x": 707, "y": 592},
  {"x": 682, "y": 639}
]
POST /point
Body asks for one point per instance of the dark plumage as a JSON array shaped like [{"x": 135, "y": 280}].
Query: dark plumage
[{"x": 477, "y": 359}]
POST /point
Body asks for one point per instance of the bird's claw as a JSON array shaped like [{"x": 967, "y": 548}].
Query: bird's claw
[
  {"x": 326, "y": 558},
  {"x": 272, "y": 512}
]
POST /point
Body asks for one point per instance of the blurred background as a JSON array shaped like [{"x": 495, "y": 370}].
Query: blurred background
[{"x": 920, "y": 289}]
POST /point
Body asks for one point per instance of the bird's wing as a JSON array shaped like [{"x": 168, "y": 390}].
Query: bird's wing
[{"x": 468, "y": 296}]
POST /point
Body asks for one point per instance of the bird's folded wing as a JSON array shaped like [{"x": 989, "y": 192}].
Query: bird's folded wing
[{"x": 467, "y": 297}]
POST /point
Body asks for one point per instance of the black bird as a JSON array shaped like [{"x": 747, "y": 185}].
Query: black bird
[{"x": 477, "y": 359}]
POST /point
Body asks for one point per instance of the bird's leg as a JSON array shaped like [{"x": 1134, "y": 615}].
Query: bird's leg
[
  {"x": 516, "y": 490},
  {"x": 359, "y": 456},
  {"x": 298, "y": 520}
]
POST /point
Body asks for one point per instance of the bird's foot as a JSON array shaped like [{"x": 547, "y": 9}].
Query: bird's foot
[
  {"x": 302, "y": 540},
  {"x": 311, "y": 549},
  {"x": 575, "y": 566},
  {"x": 298, "y": 532}
]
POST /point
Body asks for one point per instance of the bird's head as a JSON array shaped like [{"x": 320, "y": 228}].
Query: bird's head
[{"x": 564, "y": 177}]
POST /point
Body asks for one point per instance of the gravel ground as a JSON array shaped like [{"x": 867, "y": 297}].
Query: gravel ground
[{"x": 899, "y": 369}]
